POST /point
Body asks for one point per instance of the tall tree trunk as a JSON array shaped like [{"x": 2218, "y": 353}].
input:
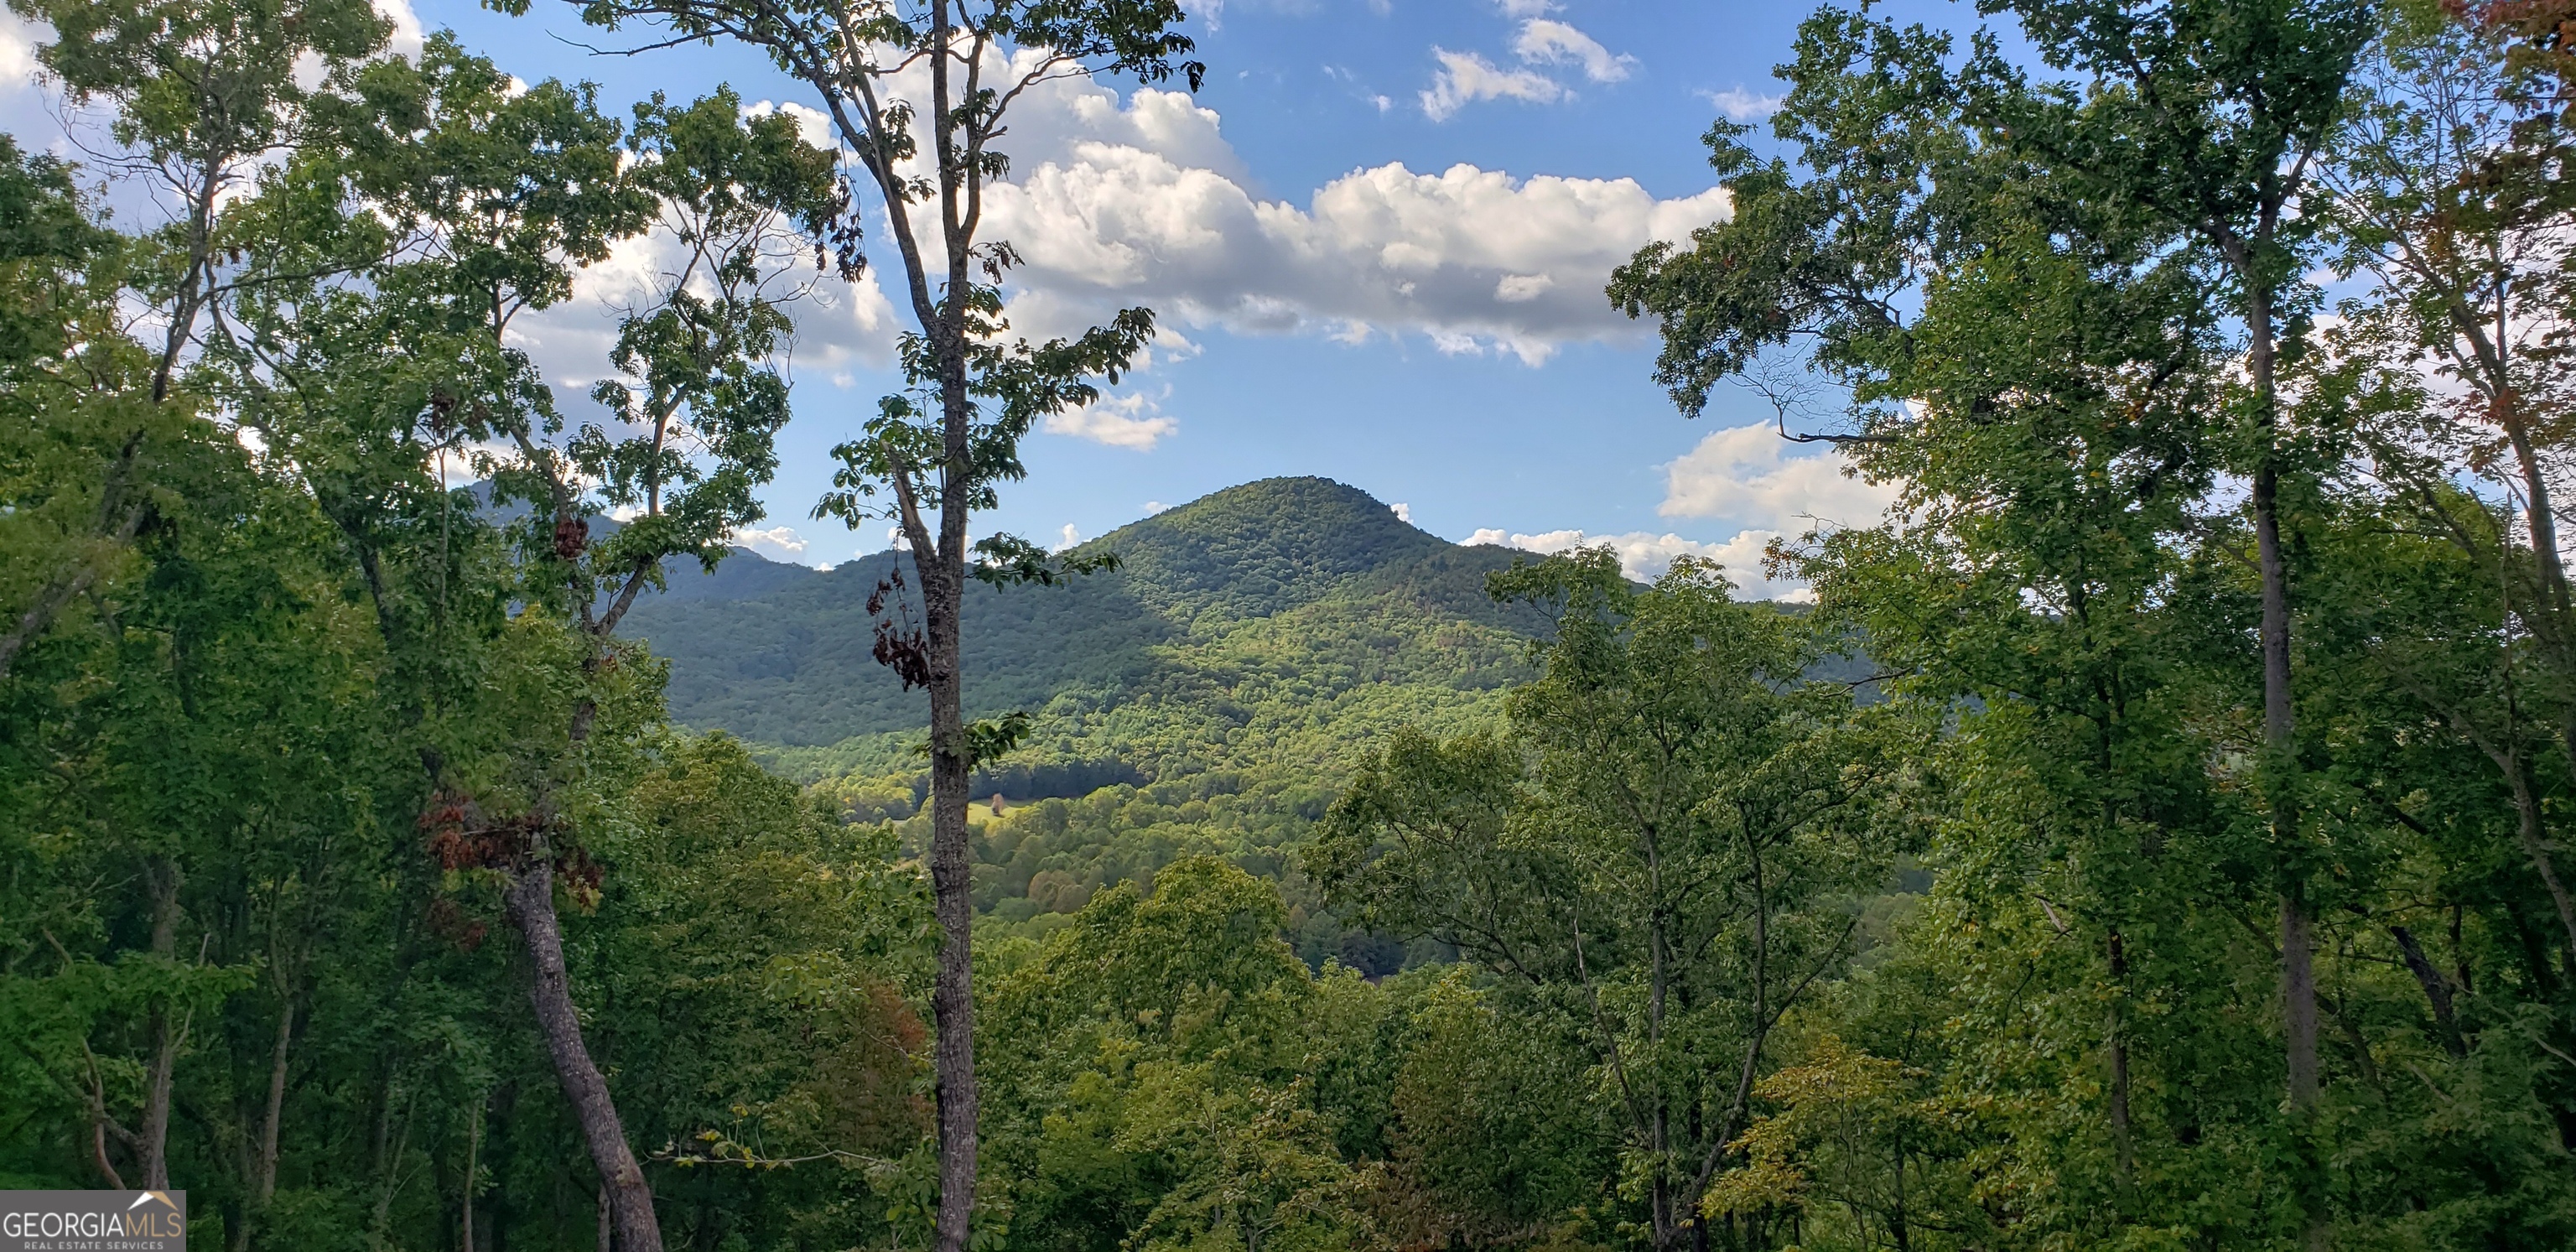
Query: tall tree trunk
[
  {"x": 2437, "y": 990},
  {"x": 2280, "y": 726},
  {"x": 2124, "y": 1154},
  {"x": 2299, "y": 991},
  {"x": 264, "y": 1186},
  {"x": 530, "y": 903},
  {"x": 943, "y": 599},
  {"x": 952, "y": 884},
  {"x": 263, "y": 1170},
  {"x": 2531, "y": 828},
  {"x": 473, "y": 1170},
  {"x": 390, "y": 1150},
  {"x": 169, "y": 1029}
]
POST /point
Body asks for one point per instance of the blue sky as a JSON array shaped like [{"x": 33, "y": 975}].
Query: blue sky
[{"x": 1378, "y": 235}]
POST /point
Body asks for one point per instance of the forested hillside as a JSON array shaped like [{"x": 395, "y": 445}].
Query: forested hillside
[
  {"x": 393, "y": 865},
  {"x": 785, "y": 659},
  {"x": 1208, "y": 696}
]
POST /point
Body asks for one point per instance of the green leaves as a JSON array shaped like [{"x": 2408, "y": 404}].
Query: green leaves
[
  {"x": 1836, "y": 256},
  {"x": 201, "y": 85},
  {"x": 1661, "y": 839},
  {"x": 1008, "y": 560},
  {"x": 701, "y": 389}
]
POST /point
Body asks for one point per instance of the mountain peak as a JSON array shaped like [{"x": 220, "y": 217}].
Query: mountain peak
[
  {"x": 1343, "y": 576},
  {"x": 1266, "y": 545}
]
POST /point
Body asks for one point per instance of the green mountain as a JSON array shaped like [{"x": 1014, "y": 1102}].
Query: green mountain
[
  {"x": 1287, "y": 588},
  {"x": 1208, "y": 696}
]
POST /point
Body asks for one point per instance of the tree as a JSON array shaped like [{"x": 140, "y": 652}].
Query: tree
[
  {"x": 496, "y": 197},
  {"x": 1659, "y": 853},
  {"x": 114, "y": 450},
  {"x": 2208, "y": 120},
  {"x": 71, "y": 377},
  {"x": 1159, "y": 1062},
  {"x": 2436, "y": 193},
  {"x": 2212, "y": 116},
  {"x": 946, "y": 444},
  {"x": 203, "y": 94}
]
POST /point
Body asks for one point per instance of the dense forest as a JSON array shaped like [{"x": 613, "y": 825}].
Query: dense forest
[{"x": 421, "y": 829}]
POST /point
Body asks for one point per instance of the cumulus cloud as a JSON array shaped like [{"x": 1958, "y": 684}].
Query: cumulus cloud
[
  {"x": 1474, "y": 257},
  {"x": 1403, "y": 513},
  {"x": 813, "y": 125},
  {"x": 1465, "y": 77},
  {"x": 407, "y": 38},
  {"x": 1129, "y": 421},
  {"x": 1068, "y": 538},
  {"x": 1115, "y": 201},
  {"x": 1645, "y": 557},
  {"x": 1747, "y": 475},
  {"x": 1550, "y": 43},
  {"x": 778, "y": 542},
  {"x": 18, "y": 40},
  {"x": 1742, "y": 105}
]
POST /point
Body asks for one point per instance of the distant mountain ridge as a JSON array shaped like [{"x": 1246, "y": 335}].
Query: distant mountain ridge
[
  {"x": 781, "y": 654},
  {"x": 1210, "y": 696}
]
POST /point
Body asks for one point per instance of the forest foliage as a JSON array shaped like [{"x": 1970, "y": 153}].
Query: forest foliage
[{"x": 2191, "y": 874}]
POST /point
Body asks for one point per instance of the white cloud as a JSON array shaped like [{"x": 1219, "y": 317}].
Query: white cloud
[
  {"x": 1117, "y": 201},
  {"x": 1069, "y": 538},
  {"x": 407, "y": 38},
  {"x": 1550, "y": 43},
  {"x": 813, "y": 125},
  {"x": 1130, "y": 421},
  {"x": 780, "y": 542},
  {"x": 838, "y": 324},
  {"x": 1465, "y": 77},
  {"x": 1153, "y": 507},
  {"x": 1645, "y": 557},
  {"x": 35, "y": 114},
  {"x": 1742, "y": 105},
  {"x": 18, "y": 40},
  {"x": 1746, "y": 475},
  {"x": 1472, "y": 255},
  {"x": 1403, "y": 513}
]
